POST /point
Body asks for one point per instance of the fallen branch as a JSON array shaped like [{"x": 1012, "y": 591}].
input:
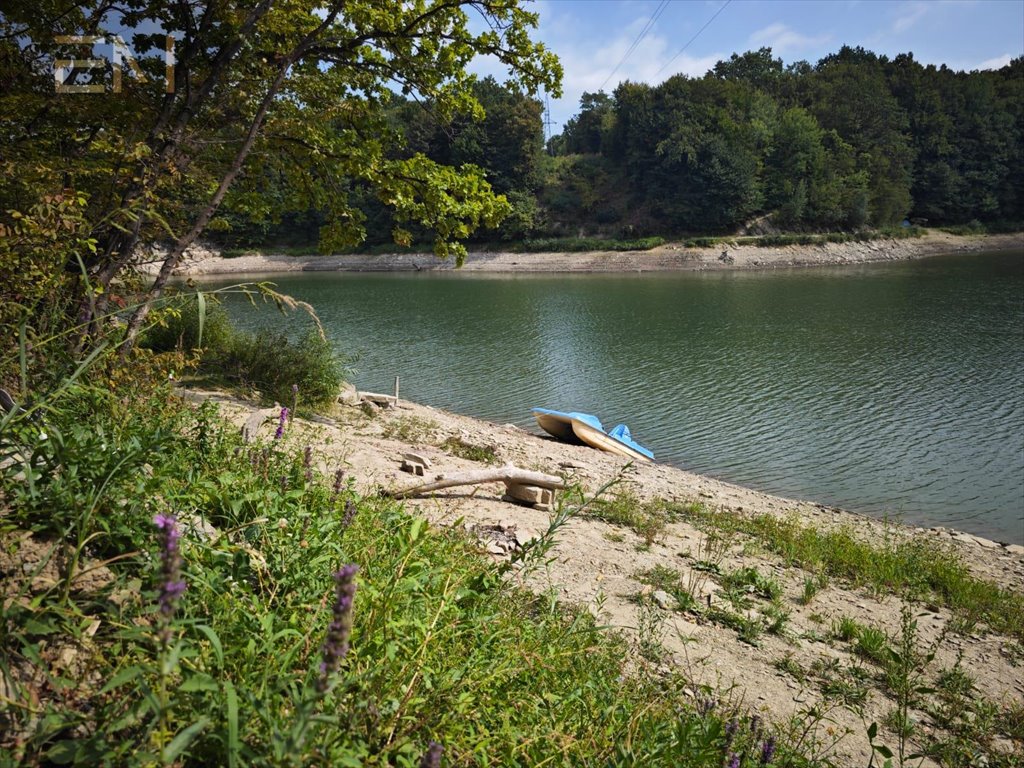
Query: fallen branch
[{"x": 509, "y": 474}]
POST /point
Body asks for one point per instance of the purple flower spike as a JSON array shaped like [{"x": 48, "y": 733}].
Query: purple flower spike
[
  {"x": 734, "y": 760},
  {"x": 730, "y": 731},
  {"x": 171, "y": 584},
  {"x": 432, "y": 757},
  {"x": 767, "y": 750},
  {"x": 350, "y": 514},
  {"x": 280, "y": 423},
  {"x": 339, "y": 477},
  {"x": 336, "y": 643}
]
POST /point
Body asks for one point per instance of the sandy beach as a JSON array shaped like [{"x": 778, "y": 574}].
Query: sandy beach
[
  {"x": 668, "y": 257},
  {"x": 601, "y": 565}
]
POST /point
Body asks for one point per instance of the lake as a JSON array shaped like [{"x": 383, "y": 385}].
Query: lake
[{"x": 892, "y": 389}]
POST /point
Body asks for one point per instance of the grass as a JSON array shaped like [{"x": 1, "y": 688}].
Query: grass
[
  {"x": 456, "y": 446},
  {"x": 442, "y": 647},
  {"x": 775, "y": 241},
  {"x": 648, "y": 519},
  {"x": 916, "y": 567},
  {"x": 410, "y": 429},
  {"x": 671, "y": 582}
]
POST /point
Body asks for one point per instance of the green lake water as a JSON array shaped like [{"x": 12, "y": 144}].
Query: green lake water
[{"x": 892, "y": 389}]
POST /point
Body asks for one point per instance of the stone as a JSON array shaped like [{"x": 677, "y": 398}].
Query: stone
[
  {"x": 348, "y": 395},
  {"x": 524, "y": 536},
  {"x": 417, "y": 458},
  {"x": 1014, "y": 549},
  {"x": 529, "y": 494},
  {"x": 663, "y": 599},
  {"x": 413, "y": 468}
]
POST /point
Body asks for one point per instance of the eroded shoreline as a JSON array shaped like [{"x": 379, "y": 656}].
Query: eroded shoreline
[{"x": 671, "y": 257}]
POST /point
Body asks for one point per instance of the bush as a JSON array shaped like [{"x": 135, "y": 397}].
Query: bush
[
  {"x": 272, "y": 363},
  {"x": 177, "y": 328}
]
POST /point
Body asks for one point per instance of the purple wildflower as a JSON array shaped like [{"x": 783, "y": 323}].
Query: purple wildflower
[
  {"x": 768, "y": 750},
  {"x": 432, "y": 757},
  {"x": 336, "y": 643},
  {"x": 350, "y": 514},
  {"x": 705, "y": 705},
  {"x": 307, "y": 463},
  {"x": 734, "y": 760},
  {"x": 755, "y": 725},
  {"x": 339, "y": 476},
  {"x": 730, "y": 731},
  {"x": 171, "y": 583},
  {"x": 280, "y": 423}
]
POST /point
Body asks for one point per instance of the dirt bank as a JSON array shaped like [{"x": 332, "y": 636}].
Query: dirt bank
[
  {"x": 669, "y": 257},
  {"x": 601, "y": 565}
]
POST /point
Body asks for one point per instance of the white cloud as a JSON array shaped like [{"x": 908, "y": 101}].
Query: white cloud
[
  {"x": 914, "y": 13},
  {"x": 589, "y": 67},
  {"x": 782, "y": 39},
  {"x": 997, "y": 63}
]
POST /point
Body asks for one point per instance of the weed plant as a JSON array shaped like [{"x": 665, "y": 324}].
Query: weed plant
[
  {"x": 456, "y": 446},
  {"x": 913, "y": 566},
  {"x": 256, "y": 613},
  {"x": 647, "y": 518}
]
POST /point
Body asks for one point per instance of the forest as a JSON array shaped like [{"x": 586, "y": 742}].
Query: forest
[{"x": 856, "y": 140}]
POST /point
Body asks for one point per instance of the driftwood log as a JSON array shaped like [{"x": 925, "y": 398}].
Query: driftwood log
[{"x": 509, "y": 474}]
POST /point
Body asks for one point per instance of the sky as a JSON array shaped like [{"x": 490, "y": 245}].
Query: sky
[{"x": 592, "y": 37}]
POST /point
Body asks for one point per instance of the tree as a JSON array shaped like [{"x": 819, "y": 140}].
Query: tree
[{"x": 297, "y": 90}]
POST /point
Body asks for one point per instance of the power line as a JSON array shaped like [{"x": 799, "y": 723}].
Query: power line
[
  {"x": 706, "y": 24},
  {"x": 643, "y": 33}
]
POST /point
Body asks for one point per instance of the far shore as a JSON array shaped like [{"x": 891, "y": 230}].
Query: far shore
[{"x": 671, "y": 257}]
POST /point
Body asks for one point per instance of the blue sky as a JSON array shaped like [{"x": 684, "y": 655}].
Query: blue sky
[{"x": 592, "y": 36}]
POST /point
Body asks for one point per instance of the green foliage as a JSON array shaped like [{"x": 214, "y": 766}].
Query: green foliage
[
  {"x": 456, "y": 446},
  {"x": 177, "y": 328},
  {"x": 911, "y": 565},
  {"x": 646, "y": 518},
  {"x": 575, "y": 244},
  {"x": 271, "y": 363},
  {"x": 753, "y": 581},
  {"x": 442, "y": 647},
  {"x": 411, "y": 429}
]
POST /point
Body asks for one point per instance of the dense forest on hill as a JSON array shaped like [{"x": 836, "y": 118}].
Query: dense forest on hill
[{"x": 855, "y": 140}]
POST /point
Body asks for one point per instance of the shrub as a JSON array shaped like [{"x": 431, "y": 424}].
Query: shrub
[
  {"x": 177, "y": 328},
  {"x": 272, "y": 363}
]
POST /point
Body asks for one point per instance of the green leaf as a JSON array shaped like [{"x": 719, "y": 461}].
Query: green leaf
[
  {"x": 200, "y": 681},
  {"x": 180, "y": 742},
  {"x": 416, "y": 529},
  {"x": 231, "y": 705},
  {"x": 122, "y": 677},
  {"x": 63, "y": 752},
  {"x": 212, "y": 636},
  {"x": 872, "y": 731},
  {"x": 201, "y": 305}
]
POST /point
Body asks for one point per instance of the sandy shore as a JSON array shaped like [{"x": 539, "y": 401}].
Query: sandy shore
[
  {"x": 600, "y": 565},
  {"x": 668, "y": 257}
]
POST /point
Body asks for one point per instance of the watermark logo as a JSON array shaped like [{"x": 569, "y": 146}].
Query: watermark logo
[{"x": 63, "y": 69}]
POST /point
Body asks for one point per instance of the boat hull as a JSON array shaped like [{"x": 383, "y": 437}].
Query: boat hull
[
  {"x": 556, "y": 423},
  {"x": 601, "y": 440}
]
